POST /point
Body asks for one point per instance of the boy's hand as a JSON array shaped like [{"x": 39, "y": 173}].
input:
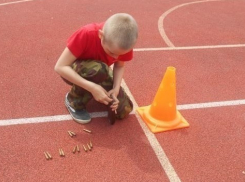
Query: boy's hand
[
  {"x": 101, "y": 95},
  {"x": 115, "y": 101}
]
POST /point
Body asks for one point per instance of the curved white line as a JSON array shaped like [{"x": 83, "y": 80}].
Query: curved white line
[
  {"x": 14, "y": 2},
  {"x": 163, "y": 16}
]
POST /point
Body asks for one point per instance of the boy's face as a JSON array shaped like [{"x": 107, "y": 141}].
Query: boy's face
[{"x": 110, "y": 50}]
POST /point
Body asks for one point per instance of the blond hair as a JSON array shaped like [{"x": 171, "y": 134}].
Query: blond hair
[{"x": 121, "y": 30}]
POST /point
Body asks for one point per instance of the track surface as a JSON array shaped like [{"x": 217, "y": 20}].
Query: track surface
[{"x": 34, "y": 33}]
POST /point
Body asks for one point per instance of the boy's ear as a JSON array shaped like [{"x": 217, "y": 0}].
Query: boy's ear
[{"x": 101, "y": 34}]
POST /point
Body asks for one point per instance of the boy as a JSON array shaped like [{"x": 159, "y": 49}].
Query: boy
[{"x": 85, "y": 64}]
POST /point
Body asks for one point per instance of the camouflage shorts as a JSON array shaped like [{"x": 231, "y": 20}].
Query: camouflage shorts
[{"x": 97, "y": 72}]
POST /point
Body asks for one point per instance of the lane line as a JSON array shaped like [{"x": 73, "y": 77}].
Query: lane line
[
  {"x": 211, "y": 104},
  {"x": 190, "y": 47},
  {"x": 14, "y": 2},
  {"x": 7, "y": 122},
  {"x": 46, "y": 119},
  {"x": 161, "y": 155},
  {"x": 165, "y": 14}
]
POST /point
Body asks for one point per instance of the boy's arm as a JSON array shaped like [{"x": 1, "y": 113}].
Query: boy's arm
[
  {"x": 63, "y": 68},
  {"x": 118, "y": 71}
]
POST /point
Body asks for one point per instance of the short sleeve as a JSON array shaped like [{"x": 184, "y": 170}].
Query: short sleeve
[{"x": 77, "y": 42}]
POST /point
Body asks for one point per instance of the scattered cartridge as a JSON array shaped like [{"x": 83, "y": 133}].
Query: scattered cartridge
[
  {"x": 74, "y": 149},
  {"x": 88, "y": 131},
  {"x": 46, "y": 155},
  {"x": 85, "y": 149}
]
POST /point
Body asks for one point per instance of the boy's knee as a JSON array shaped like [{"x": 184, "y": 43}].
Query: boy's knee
[{"x": 92, "y": 70}]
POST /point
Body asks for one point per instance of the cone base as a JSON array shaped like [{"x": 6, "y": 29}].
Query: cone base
[{"x": 156, "y": 125}]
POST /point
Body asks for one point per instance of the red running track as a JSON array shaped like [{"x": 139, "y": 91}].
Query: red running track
[{"x": 33, "y": 34}]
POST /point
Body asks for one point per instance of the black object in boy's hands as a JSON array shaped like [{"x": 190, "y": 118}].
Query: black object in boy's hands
[{"x": 111, "y": 114}]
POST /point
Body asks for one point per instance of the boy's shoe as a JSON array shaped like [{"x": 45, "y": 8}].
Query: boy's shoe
[{"x": 81, "y": 116}]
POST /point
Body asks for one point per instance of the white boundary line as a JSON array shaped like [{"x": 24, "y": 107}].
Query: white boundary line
[
  {"x": 211, "y": 104},
  {"x": 14, "y": 2},
  {"x": 45, "y": 119},
  {"x": 104, "y": 114},
  {"x": 189, "y": 47},
  {"x": 165, "y": 14},
  {"x": 7, "y": 122},
  {"x": 161, "y": 155}
]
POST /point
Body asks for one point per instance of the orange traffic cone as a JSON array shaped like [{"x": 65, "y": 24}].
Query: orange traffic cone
[{"x": 162, "y": 114}]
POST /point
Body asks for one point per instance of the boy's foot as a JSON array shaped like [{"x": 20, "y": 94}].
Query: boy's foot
[{"x": 81, "y": 116}]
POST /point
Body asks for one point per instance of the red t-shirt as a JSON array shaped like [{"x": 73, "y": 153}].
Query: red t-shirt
[{"x": 85, "y": 44}]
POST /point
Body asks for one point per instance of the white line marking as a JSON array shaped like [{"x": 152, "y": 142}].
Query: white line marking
[
  {"x": 189, "y": 47},
  {"x": 104, "y": 114},
  {"x": 211, "y": 104},
  {"x": 164, "y": 15},
  {"x": 162, "y": 157},
  {"x": 14, "y": 2},
  {"x": 35, "y": 120},
  {"x": 46, "y": 119}
]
